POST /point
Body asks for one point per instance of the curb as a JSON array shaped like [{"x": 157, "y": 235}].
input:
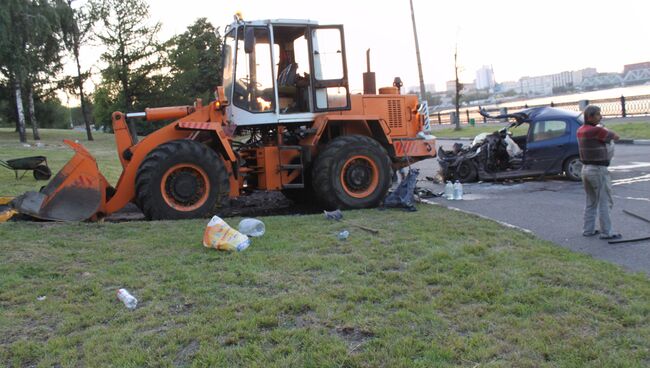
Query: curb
[{"x": 643, "y": 142}]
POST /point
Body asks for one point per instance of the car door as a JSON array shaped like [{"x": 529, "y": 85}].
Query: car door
[{"x": 548, "y": 141}]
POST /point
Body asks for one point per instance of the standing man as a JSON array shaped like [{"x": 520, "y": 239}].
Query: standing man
[{"x": 593, "y": 143}]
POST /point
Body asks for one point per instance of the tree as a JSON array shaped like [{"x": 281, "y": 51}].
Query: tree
[
  {"x": 13, "y": 17},
  {"x": 194, "y": 58},
  {"x": 131, "y": 47},
  {"x": 29, "y": 53},
  {"x": 43, "y": 55},
  {"x": 77, "y": 29}
]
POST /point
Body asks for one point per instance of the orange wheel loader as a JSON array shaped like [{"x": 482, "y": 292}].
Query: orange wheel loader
[{"x": 284, "y": 119}]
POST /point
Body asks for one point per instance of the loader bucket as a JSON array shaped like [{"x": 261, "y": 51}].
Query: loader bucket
[{"x": 74, "y": 194}]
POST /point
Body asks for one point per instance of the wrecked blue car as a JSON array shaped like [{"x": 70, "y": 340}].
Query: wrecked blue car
[{"x": 540, "y": 141}]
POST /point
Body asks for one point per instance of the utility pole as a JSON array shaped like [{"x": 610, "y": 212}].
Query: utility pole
[
  {"x": 423, "y": 95},
  {"x": 459, "y": 86}
]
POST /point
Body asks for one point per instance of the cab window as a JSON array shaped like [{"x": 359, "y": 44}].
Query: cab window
[
  {"x": 253, "y": 84},
  {"x": 549, "y": 129}
]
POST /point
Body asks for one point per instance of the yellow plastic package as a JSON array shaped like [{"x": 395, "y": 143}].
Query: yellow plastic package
[{"x": 219, "y": 235}]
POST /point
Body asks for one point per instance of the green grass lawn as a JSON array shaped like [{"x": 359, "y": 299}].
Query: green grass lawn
[
  {"x": 640, "y": 130},
  {"x": 433, "y": 288},
  {"x": 632, "y": 130},
  {"x": 57, "y": 153}
]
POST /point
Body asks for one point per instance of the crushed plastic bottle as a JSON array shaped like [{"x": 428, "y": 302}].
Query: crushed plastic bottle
[
  {"x": 251, "y": 227},
  {"x": 343, "y": 235},
  {"x": 129, "y": 300},
  {"x": 458, "y": 191},
  {"x": 449, "y": 190}
]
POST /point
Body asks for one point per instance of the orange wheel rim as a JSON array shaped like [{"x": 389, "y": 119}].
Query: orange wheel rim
[
  {"x": 185, "y": 187},
  {"x": 359, "y": 177}
]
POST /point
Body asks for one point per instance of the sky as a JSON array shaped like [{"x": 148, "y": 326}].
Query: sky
[{"x": 517, "y": 38}]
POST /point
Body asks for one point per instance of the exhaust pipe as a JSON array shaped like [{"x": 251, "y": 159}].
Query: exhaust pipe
[{"x": 369, "y": 82}]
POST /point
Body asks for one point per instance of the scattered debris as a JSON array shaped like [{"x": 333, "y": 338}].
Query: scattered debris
[
  {"x": 343, "y": 235},
  {"x": 404, "y": 195},
  {"x": 424, "y": 193},
  {"x": 628, "y": 240},
  {"x": 125, "y": 297},
  {"x": 616, "y": 241},
  {"x": 337, "y": 215},
  {"x": 41, "y": 298},
  {"x": 251, "y": 227},
  {"x": 333, "y": 215},
  {"x": 637, "y": 216},
  {"x": 219, "y": 235}
]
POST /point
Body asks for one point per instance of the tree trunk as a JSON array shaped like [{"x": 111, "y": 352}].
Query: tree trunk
[
  {"x": 20, "y": 110},
  {"x": 32, "y": 113},
  {"x": 80, "y": 85}
]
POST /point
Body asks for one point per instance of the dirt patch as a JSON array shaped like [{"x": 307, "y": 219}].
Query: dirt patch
[
  {"x": 257, "y": 203},
  {"x": 354, "y": 336},
  {"x": 186, "y": 354}
]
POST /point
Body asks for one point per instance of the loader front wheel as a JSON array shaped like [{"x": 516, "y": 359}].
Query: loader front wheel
[
  {"x": 179, "y": 180},
  {"x": 352, "y": 172}
]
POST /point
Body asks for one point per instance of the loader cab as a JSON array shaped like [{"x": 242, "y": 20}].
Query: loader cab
[{"x": 283, "y": 71}]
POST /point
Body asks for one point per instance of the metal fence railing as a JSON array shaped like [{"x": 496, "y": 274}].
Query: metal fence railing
[{"x": 610, "y": 107}]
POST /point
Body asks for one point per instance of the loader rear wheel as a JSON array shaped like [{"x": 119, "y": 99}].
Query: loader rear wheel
[
  {"x": 352, "y": 172},
  {"x": 181, "y": 179}
]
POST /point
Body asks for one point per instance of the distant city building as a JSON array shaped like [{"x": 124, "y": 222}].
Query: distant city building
[
  {"x": 467, "y": 87},
  {"x": 485, "y": 78},
  {"x": 563, "y": 79},
  {"x": 430, "y": 87},
  {"x": 542, "y": 85},
  {"x": 580, "y": 75},
  {"x": 630, "y": 67},
  {"x": 451, "y": 86},
  {"x": 510, "y": 86}
]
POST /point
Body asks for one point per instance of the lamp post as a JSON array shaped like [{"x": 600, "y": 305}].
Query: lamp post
[{"x": 423, "y": 95}]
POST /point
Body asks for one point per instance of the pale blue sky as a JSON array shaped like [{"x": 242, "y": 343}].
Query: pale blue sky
[{"x": 517, "y": 38}]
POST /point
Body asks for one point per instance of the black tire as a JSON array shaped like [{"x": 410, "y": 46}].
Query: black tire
[
  {"x": 573, "y": 168},
  {"x": 42, "y": 172},
  {"x": 352, "y": 172},
  {"x": 466, "y": 172},
  {"x": 194, "y": 177}
]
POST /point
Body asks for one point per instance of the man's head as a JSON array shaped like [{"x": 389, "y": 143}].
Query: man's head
[{"x": 592, "y": 115}]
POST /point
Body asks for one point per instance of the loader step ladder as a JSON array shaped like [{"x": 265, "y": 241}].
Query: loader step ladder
[{"x": 291, "y": 166}]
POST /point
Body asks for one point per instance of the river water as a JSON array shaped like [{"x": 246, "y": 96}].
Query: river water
[{"x": 574, "y": 97}]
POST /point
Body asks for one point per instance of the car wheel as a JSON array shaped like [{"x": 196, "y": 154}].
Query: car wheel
[
  {"x": 466, "y": 172},
  {"x": 573, "y": 168}
]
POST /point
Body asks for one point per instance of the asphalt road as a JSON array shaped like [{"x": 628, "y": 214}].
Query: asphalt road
[{"x": 552, "y": 208}]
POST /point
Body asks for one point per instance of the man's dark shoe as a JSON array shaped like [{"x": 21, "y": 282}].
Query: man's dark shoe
[
  {"x": 595, "y": 232},
  {"x": 610, "y": 237}
]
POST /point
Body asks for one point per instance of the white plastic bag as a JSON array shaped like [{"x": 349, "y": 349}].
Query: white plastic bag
[{"x": 219, "y": 235}]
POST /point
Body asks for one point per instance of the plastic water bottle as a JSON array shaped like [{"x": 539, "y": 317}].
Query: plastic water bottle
[
  {"x": 129, "y": 300},
  {"x": 343, "y": 235},
  {"x": 251, "y": 227},
  {"x": 458, "y": 190},
  {"x": 449, "y": 190}
]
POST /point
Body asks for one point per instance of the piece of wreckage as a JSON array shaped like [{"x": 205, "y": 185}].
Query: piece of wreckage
[{"x": 546, "y": 146}]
